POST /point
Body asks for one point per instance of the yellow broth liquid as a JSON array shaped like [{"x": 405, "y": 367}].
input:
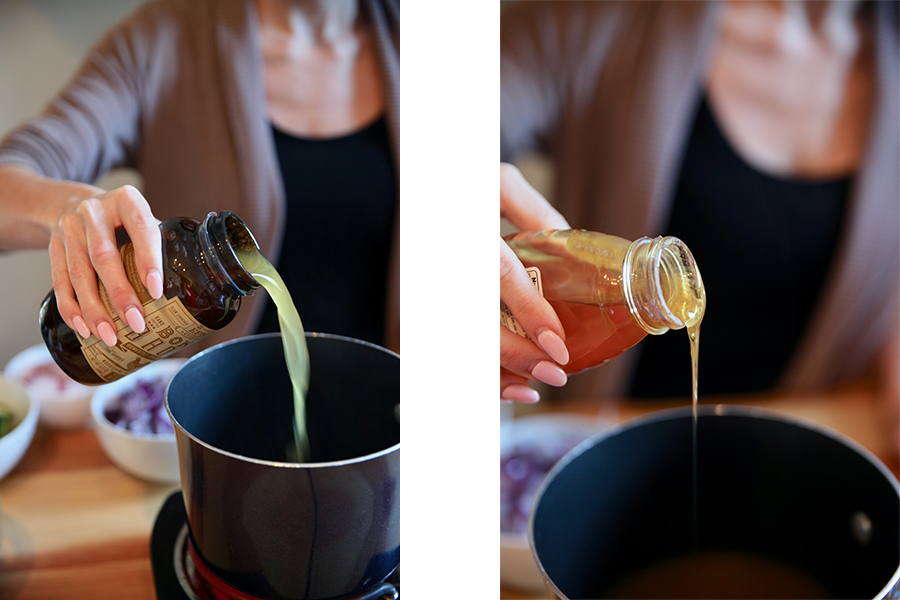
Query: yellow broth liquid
[
  {"x": 293, "y": 337},
  {"x": 718, "y": 575}
]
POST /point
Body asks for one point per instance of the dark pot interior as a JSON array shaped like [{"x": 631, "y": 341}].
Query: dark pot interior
[
  {"x": 238, "y": 398},
  {"x": 766, "y": 486},
  {"x": 328, "y": 528}
]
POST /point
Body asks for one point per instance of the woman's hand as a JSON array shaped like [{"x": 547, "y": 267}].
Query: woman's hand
[
  {"x": 522, "y": 359},
  {"x": 83, "y": 247}
]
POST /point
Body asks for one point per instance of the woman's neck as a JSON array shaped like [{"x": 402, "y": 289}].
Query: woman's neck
[
  {"x": 321, "y": 68},
  {"x": 791, "y": 85},
  {"x": 308, "y": 22}
]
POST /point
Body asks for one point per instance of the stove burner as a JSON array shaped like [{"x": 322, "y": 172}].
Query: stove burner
[
  {"x": 184, "y": 568},
  {"x": 180, "y": 574}
]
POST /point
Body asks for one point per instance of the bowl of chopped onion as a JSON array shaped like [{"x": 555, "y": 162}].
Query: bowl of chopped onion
[
  {"x": 529, "y": 447},
  {"x": 133, "y": 426},
  {"x": 65, "y": 403}
]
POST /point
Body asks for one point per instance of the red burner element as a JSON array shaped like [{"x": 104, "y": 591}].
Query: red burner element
[{"x": 206, "y": 585}]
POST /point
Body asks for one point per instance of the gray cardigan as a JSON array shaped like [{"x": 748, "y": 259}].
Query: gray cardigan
[
  {"x": 176, "y": 92},
  {"x": 609, "y": 90}
]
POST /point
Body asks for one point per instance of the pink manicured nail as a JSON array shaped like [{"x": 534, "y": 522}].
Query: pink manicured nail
[
  {"x": 154, "y": 285},
  {"x": 106, "y": 333},
  {"x": 520, "y": 393},
  {"x": 135, "y": 319},
  {"x": 81, "y": 327},
  {"x": 549, "y": 373},
  {"x": 553, "y": 345}
]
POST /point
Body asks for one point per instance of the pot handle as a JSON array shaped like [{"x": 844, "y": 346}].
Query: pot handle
[{"x": 386, "y": 591}]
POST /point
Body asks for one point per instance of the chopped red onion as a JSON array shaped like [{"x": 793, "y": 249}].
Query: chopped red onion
[
  {"x": 48, "y": 371},
  {"x": 522, "y": 470},
  {"x": 142, "y": 408}
]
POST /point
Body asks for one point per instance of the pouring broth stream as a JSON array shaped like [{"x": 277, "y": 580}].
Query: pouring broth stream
[{"x": 296, "y": 354}]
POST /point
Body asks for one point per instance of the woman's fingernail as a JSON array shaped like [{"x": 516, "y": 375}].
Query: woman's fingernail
[
  {"x": 553, "y": 345},
  {"x": 549, "y": 373},
  {"x": 81, "y": 327},
  {"x": 154, "y": 284},
  {"x": 520, "y": 393},
  {"x": 106, "y": 333},
  {"x": 135, "y": 319}
]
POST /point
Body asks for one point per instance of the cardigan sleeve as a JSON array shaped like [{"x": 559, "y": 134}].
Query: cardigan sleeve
[
  {"x": 551, "y": 56},
  {"x": 528, "y": 98},
  {"x": 93, "y": 124}
]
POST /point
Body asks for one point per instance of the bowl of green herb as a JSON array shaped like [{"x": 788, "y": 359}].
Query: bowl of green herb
[{"x": 18, "y": 421}]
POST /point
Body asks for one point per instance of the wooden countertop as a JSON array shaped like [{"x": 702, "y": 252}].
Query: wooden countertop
[
  {"x": 72, "y": 525},
  {"x": 853, "y": 411}
]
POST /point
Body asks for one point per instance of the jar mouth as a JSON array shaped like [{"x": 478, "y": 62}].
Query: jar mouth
[
  {"x": 672, "y": 274},
  {"x": 228, "y": 233},
  {"x": 238, "y": 233}
]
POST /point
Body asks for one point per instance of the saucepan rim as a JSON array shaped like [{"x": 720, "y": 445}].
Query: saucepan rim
[
  {"x": 272, "y": 463},
  {"x": 717, "y": 410}
]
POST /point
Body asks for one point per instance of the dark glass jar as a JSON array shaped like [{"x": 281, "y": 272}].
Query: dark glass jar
[{"x": 203, "y": 283}]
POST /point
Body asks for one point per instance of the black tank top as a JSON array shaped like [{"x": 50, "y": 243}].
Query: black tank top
[
  {"x": 341, "y": 194},
  {"x": 763, "y": 245}
]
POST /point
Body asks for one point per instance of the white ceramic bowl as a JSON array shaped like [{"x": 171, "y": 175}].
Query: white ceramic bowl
[
  {"x": 25, "y": 410},
  {"x": 149, "y": 456},
  {"x": 65, "y": 404},
  {"x": 547, "y": 438}
]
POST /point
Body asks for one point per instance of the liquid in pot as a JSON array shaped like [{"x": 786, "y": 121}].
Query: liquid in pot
[{"x": 718, "y": 575}]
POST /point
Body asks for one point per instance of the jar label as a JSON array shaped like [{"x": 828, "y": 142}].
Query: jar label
[
  {"x": 506, "y": 317},
  {"x": 169, "y": 328}
]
